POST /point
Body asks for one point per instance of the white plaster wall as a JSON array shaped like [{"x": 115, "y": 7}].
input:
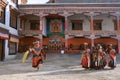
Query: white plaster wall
[
  {"x": 86, "y": 24},
  {"x": 11, "y": 30},
  {"x": 7, "y": 56},
  {"x": 107, "y": 23}
]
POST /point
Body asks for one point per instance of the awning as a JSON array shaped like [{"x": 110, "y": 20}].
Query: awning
[
  {"x": 4, "y": 34},
  {"x": 14, "y": 38}
]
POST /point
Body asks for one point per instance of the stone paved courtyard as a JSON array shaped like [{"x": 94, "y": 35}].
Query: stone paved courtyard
[{"x": 56, "y": 67}]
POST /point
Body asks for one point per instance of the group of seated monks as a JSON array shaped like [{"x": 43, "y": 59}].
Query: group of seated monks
[{"x": 96, "y": 57}]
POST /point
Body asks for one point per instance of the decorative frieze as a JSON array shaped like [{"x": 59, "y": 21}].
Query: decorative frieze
[{"x": 67, "y": 9}]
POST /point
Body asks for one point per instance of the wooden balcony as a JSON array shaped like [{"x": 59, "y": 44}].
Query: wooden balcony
[
  {"x": 30, "y": 32},
  {"x": 107, "y": 33},
  {"x": 79, "y": 32},
  {"x": 3, "y": 2},
  {"x": 95, "y": 32}
]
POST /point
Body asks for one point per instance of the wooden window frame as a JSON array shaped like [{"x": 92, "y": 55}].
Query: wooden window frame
[
  {"x": 77, "y": 21},
  {"x": 97, "y": 21}
]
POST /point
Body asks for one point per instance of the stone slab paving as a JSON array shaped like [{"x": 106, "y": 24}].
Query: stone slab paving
[{"x": 56, "y": 67}]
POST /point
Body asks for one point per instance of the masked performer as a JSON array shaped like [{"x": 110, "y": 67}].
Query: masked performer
[
  {"x": 112, "y": 58},
  {"x": 99, "y": 58},
  {"x": 92, "y": 57},
  {"x": 85, "y": 59},
  {"x": 37, "y": 56}
]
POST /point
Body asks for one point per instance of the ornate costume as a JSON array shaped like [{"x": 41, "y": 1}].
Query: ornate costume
[
  {"x": 37, "y": 57},
  {"x": 85, "y": 59},
  {"x": 112, "y": 59}
]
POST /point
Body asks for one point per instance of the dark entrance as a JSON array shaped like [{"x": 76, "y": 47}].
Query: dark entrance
[{"x": 2, "y": 54}]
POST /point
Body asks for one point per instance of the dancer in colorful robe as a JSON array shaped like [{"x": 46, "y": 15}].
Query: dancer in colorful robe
[
  {"x": 85, "y": 59},
  {"x": 99, "y": 58},
  {"x": 37, "y": 55},
  {"x": 112, "y": 58}
]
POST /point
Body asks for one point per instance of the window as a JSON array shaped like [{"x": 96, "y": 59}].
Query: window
[
  {"x": 13, "y": 17},
  {"x": 12, "y": 48},
  {"x": 13, "y": 21},
  {"x": 2, "y": 16},
  {"x": 97, "y": 25},
  {"x": 34, "y": 26},
  {"x": 77, "y": 25}
]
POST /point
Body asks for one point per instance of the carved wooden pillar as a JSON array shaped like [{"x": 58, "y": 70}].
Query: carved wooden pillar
[
  {"x": 92, "y": 37},
  {"x": 91, "y": 23},
  {"x": 41, "y": 28},
  {"x": 118, "y": 22},
  {"x": 66, "y": 24},
  {"x": 66, "y": 30},
  {"x": 66, "y": 14},
  {"x": 92, "y": 42},
  {"x": 66, "y": 42},
  {"x": 91, "y": 15},
  {"x": 41, "y": 23},
  {"x": 119, "y": 45}
]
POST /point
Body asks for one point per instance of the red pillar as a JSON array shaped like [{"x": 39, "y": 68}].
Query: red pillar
[
  {"x": 66, "y": 30},
  {"x": 66, "y": 24},
  {"x": 91, "y": 23},
  {"x": 41, "y": 23},
  {"x": 92, "y": 29},
  {"x": 92, "y": 42},
  {"x": 118, "y": 46},
  {"x": 118, "y": 23},
  {"x": 41, "y": 28}
]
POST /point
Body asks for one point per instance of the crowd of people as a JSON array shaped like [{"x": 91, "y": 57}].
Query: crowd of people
[
  {"x": 96, "y": 57},
  {"x": 92, "y": 58}
]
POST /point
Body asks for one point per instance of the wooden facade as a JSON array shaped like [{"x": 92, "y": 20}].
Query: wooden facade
[{"x": 93, "y": 18}]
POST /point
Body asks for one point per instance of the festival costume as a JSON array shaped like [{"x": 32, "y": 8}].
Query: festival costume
[
  {"x": 37, "y": 58},
  {"x": 99, "y": 59},
  {"x": 112, "y": 59},
  {"x": 85, "y": 59}
]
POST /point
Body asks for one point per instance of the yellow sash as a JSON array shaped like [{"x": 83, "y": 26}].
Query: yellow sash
[{"x": 25, "y": 56}]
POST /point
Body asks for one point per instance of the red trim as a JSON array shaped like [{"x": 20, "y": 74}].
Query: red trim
[{"x": 1, "y": 37}]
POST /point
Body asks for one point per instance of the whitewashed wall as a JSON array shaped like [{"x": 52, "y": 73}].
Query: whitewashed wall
[
  {"x": 11, "y": 30},
  {"x": 107, "y": 23}
]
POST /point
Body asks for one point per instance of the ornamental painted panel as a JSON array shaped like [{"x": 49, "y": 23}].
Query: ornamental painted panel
[{"x": 56, "y": 25}]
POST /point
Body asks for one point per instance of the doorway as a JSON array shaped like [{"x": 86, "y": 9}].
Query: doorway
[{"x": 2, "y": 54}]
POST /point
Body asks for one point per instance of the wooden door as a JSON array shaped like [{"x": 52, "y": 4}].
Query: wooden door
[{"x": 1, "y": 50}]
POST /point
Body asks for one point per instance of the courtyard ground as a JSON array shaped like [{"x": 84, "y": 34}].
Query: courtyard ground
[{"x": 56, "y": 67}]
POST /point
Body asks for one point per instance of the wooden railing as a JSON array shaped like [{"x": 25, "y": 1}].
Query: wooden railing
[
  {"x": 30, "y": 32},
  {"x": 96, "y": 32},
  {"x": 79, "y": 32}
]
